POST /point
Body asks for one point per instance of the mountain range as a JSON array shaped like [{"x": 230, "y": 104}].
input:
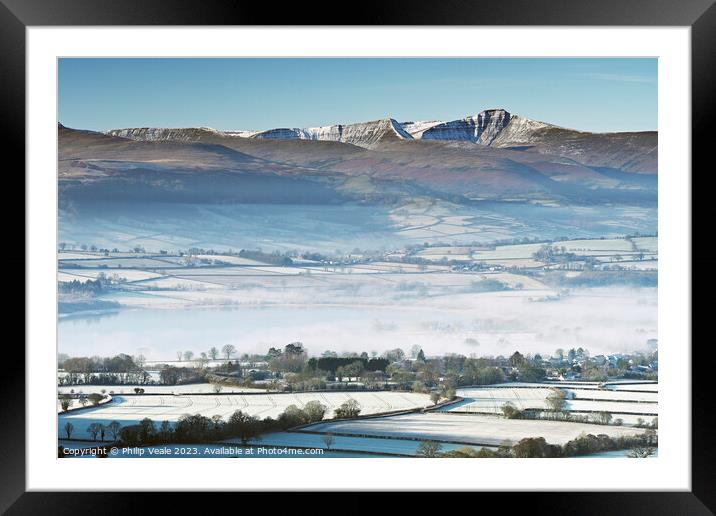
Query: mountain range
[{"x": 494, "y": 155}]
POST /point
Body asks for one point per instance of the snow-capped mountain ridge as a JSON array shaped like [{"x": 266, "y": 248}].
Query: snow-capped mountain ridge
[
  {"x": 482, "y": 128},
  {"x": 494, "y": 128}
]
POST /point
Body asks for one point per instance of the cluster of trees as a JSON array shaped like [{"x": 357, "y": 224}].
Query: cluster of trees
[
  {"x": 86, "y": 288},
  {"x": 275, "y": 258},
  {"x": 83, "y": 399},
  {"x": 170, "y": 375},
  {"x": 90, "y": 287},
  {"x": 554, "y": 254},
  {"x": 347, "y": 366},
  {"x": 292, "y": 359},
  {"x": 119, "y": 369}
]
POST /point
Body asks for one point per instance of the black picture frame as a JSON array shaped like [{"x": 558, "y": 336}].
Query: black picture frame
[{"x": 700, "y": 15}]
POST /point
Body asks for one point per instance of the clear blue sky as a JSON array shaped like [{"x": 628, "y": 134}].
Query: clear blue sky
[{"x": 588, "y": 94}]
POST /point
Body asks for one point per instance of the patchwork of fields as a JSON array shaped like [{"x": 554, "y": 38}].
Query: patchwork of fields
[
  {"x": 129, "y": 410},
  {"x": 639, "y": 253},
  {"x": 475, "y": 421}
]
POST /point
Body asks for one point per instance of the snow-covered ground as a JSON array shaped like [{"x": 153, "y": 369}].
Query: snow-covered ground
[
  {"x": 469, "y": 428},
  {"x": 492, "y": 400},
  {"x": 358, "y": 444},
  {"x": 613, "y": 407},
  {"x": 614, "y": 395},
  {"x": 75, "y": 403},
  {"x": 626, "y": 386},
  {"x": 154, "y": 389},
  {"x": 584, "y": 398},
  {"x": 129, "y": 410}
]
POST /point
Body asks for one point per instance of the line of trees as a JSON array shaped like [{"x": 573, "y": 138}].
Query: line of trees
[{"x": 640, "y": 446}]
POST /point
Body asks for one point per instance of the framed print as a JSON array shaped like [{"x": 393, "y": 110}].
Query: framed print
[{"x": 364, "y": 251}]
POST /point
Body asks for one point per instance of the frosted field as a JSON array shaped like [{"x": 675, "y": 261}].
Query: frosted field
[
  {"x": 648, "y": 387},
  {"x": 129, "y": 410},
  {"x": 647, "y": 244},
  {"x": 233, "y": 260},
  {"x": 627, "y": 406},
  {"x": 83, "y": 274},
  {"x": 522, "y": 254},
  {"x": 614, "y": 244},
  {"x": 77, "y": 255},
  {"x": 492, "y": 400},
  {"x": 114, "y": 264},
  {"x": 507, "y": 251},
  {"x": 154, "y": 389},
  {"x": 357, "y": 444},
  {"x": 614, "y": 395},
  {"x": 469, "y": 428},
  {"x": 613, "y": 407}
]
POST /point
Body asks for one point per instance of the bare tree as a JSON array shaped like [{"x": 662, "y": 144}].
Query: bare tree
[
  {"x": 428, "y": 449},
  {"x": 188, "y": 355},
  {"x": 228, "y": 350},
  {"x": 213, "y": 353},
  {"x": 328, "y": 440},
  {"x": 65, "y": 401},
  {"x": 114, "y": 428},
  {"x": 93, "y": 429},
  {"x": 68, "y": 429},
  {"x": 179, "y": 355}
]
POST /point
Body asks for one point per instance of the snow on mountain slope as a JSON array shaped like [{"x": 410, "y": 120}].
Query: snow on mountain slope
[
  {"x": 188, "y": 134},
  {"x": 630, "y": 152},
  {"x": 283, "y": 133},
  {"x": 366, "y": 134},
  {"x": 481, "y": 128},
  {"x": 416, "y": 129}
]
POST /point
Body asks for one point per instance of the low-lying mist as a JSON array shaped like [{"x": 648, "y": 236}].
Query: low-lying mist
[{"x": 603, "y": 320}]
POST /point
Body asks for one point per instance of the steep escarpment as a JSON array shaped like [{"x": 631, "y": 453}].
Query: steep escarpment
[{"x": 482, "y": 128}]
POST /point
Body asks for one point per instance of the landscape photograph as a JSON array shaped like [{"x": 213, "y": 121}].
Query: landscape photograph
[{"x": 357, "y": 258}]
